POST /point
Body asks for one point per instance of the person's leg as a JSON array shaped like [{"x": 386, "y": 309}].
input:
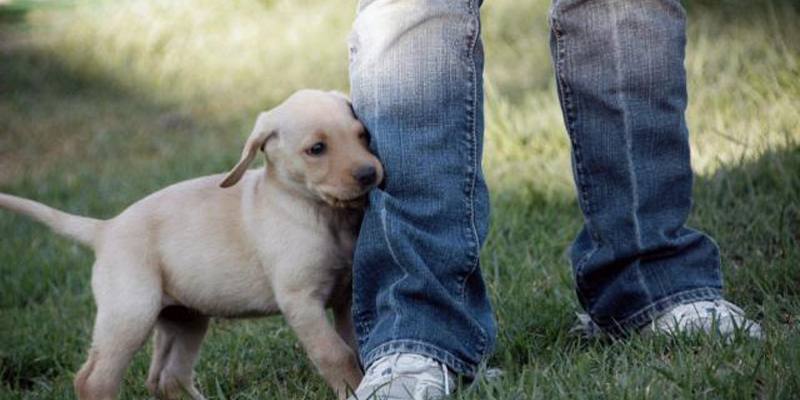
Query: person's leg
[
  {"x": 622, "y": 87},
  {"x": 416, "y": 84}
]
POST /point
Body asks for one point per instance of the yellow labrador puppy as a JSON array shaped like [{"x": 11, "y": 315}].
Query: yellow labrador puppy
[{"x": 278, "y": 239}]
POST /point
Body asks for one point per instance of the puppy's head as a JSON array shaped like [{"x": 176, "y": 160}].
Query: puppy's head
[{"x": 315, "y": 146}]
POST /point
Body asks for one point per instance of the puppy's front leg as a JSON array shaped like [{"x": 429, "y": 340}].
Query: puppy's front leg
[{"x": 334, "y": 359}]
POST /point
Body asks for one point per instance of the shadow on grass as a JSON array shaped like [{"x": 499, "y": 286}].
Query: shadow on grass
[
  {"x": 753, "y": 211},
  {"x": 12, "y": 14},
  {"x": 78, "y": 127}
]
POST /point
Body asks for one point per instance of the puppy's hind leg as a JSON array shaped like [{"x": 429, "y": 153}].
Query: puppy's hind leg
[
  {"x": 179, "y": 334},
  {"x": 126, "y": 311}
]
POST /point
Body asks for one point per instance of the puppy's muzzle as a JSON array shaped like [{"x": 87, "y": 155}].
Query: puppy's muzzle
[{"x": 366, "y": 175}]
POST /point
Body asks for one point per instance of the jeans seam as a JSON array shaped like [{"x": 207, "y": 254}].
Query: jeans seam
[
  {"x": 471, "y": 231},
  {"x": 567, "y": 107},
  {"x": 473, "y": 241}
]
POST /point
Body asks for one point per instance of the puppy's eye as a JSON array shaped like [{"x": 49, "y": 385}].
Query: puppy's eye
[{"x": 316, "y": 150}]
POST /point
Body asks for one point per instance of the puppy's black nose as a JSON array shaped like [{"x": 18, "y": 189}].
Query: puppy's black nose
[{"x": 365, "y": 175}]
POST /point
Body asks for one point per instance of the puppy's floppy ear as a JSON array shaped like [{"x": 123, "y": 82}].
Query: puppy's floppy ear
[{"x": 264, "y": 130}]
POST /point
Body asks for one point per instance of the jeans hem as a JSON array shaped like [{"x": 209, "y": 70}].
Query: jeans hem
[
  {"x": 454, "y": 363},
  {"x": 649, "y": 313}
]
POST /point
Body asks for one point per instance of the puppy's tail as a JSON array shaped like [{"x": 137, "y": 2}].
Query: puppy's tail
[{"x": 81, "y": 229}]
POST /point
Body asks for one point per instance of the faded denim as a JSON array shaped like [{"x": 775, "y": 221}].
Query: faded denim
[{"x": 416, "y": 83}]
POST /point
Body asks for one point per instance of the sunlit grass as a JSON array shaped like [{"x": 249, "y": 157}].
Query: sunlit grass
[
  {"x": 102, "y": 102},
  {"x": 216, "y": 58}
]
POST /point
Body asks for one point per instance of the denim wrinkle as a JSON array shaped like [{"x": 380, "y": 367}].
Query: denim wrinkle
[{"x": 628, "y": 138}]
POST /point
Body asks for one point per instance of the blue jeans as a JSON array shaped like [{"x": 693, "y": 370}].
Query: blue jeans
[{"x": 416, "y": 80}]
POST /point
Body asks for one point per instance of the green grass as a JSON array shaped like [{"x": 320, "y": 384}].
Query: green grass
[{"x": 102, "y": 102}]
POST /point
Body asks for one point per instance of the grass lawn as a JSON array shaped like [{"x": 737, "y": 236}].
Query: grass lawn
[{"x": 103, "y": 102}]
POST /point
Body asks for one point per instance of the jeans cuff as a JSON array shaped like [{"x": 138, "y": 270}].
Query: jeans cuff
[
  {"x": 454, "y": 363},
  {"x": 656, "y": 309}
]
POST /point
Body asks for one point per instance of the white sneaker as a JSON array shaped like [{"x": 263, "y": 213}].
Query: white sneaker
[
  {"x": 405, "y": 376},
  {"x": 719, "y": 316}
]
